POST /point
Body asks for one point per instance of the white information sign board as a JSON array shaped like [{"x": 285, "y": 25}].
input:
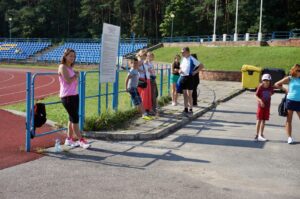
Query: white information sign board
[{"x": 109, "y": 52}]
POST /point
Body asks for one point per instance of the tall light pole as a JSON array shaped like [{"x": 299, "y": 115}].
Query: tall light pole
[
  {"x": 260, "y": 21},
  {"x": 235, "y": 37},
  {"x": 215, "y": 22},
  {"x": 10, "y": 20},
  {"x": 172, "y": 17}
]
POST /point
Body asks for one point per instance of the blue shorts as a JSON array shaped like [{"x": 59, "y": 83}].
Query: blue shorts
[
  {"x": 292, "y": 105},
  {"x": 135, "y": 96}
]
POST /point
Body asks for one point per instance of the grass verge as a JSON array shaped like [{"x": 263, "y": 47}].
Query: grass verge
[{"x": 232, "y": 58}]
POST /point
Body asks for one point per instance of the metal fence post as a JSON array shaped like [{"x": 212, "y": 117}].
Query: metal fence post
[
  {"x": 161, "y": 80},
  {"x": 115, "y": 101},
  {"x": 99, "y": 98},
  {"x": 28, "y": 115},
  {"x": 116, "y": 91},
  {"x": 81, "y": 89},
  {"x": 169, "y": 79},
  {"x": 32, "y": 81},
  {"x": 106, "y": 96}
]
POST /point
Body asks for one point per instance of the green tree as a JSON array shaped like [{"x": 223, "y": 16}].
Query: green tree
[
  {"x": 184, "y": 20},
  {"x": 147, "y": 18}
]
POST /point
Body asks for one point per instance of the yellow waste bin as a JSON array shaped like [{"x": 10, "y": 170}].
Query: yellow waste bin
[{"x": 250, "y": 76}]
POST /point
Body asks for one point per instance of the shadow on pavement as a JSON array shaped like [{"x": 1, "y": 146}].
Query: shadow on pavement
[
  {"x": 220, "y": 141},
  {"x": 235, "y": 112},
  {"x": 102, "y": 159},
  {"x": 218, "y": 123}
]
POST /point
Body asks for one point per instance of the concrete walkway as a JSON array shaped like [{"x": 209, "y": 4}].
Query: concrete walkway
[
  {"x": 212, "y": 157},
  {"x": 170, "y": 118}
]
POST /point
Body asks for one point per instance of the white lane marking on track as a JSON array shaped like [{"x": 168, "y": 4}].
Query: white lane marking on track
[
  {"x": 11, "y": 77},
  {"x": 13, "y": 85},
  {"x": 45, "y": 85},
  {"x": 22, "y": 100}
]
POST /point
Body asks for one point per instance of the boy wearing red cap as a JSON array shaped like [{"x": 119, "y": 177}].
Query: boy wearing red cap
[{"x": 263, "y": 95}]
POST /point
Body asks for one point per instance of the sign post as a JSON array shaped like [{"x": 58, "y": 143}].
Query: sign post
[
  {"x": 109, "y": 52},
  {"x": 109, "y": 57}
]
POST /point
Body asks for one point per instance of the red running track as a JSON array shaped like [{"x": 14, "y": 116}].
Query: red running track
[
  {"x": 13, "y": 85},
  {"x": 12, "y": 127},
  {"x": 12, "y": 142}
]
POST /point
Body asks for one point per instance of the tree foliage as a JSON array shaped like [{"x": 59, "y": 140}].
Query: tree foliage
[{"x": 150, "y": 18}]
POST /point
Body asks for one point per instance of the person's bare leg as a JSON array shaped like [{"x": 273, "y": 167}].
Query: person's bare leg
[
  {"x": 262, "y": 127},
  {"x": 70, "y": 131},
  {"x": 76, "y": 130},
  {"x": 82, "y": 143},
  {"x": 190, "y": 98},
  {"x": 185, "y": 98},
  {"x": 176, "y": 96},
  {"x": 141, "y": 109},
  {"x": 258, "y": 124},
  {"x": 173, "y": 93},
  {"x": 288, "y": 125}
]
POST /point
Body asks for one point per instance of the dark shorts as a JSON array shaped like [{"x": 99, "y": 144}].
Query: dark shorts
[
  {"x": 135, "y": 96},
  {"x": 186, "y": 82},
  {"x": 263, "y": 114},
  {"x": 71, "y": 104},
  {"x": 293, "y": 105}
]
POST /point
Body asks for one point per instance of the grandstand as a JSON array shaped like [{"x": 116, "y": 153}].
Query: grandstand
[
  {"x": 87, "y": 52},
  {"x": 21, "y": 50}
]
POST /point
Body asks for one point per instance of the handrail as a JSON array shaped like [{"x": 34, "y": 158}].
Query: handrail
[{"x": 30, "y": 96}]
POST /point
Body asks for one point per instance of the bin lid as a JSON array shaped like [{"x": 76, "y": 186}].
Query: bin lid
[{"x": 251, "y": 68}]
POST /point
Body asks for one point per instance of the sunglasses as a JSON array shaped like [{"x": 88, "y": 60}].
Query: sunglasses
[{"x": 298, "y": 71}]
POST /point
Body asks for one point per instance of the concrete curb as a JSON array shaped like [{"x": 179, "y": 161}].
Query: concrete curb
[
  {"x": 23, "y": 114},
  {"x": 161, "y": 132}
]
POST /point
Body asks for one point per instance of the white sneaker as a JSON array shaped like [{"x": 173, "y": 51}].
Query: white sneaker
[
  {"x": 71, "y": 143},
  {"x": 290, "y": 140},
  {"x": 261, "y": 139},
  {"x": 83, "y": 143},
  {"x": 173, "y": 104}
]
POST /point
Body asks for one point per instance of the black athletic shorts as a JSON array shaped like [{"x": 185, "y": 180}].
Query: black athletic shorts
[
  {"x": 186, "y": 82},
  {"x": 71, "y": 104}
]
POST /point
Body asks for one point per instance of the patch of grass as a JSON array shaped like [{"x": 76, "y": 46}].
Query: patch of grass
[
  {"x": 232, "y": 58},
  {"x": 110, "y": 120},
  {"x": 164, "y": 100}
]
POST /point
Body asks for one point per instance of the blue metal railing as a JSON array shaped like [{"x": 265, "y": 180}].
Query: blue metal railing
[
  {"x": 30, "y": 97},
  {"x": 281, "y": 35}
]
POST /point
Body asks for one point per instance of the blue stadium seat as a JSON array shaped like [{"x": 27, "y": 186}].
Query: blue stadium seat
[
  {"x": 21, "y": 50},
  {"x": 87, "y": 52}
]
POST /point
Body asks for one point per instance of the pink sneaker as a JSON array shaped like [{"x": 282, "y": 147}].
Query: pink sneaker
[
  {"x": 83, "y": 143},
  {"x": 70, "y": 142}
]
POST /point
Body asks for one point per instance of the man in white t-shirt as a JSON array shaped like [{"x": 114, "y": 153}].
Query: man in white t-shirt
[{"x": 187, "y": 66}]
